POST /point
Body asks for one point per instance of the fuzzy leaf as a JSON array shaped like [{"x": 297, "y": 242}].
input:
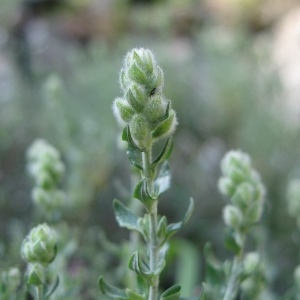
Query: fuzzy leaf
[
  {"x": 139, "y": 266},
  {"x": 165, "y": 153},
  {"x": 111, "y": 291},
  {"x": 137, "y": 59},
  {"x": 163, "y": 180},
  {"x": 141, "y": 193},
  {"x": 125, "y": 217},
  {"x": 127, "y": 137},
  {"x": 135, "y": 157},
  {"x": 136, "y": 74},
  {"x": 165, "y": 127},
  {"x": 126, "y": 112},
  {"x": 172, "y": 293},
  {"x": 162, "y": 229},
  {"x": 136, "y": 98}
]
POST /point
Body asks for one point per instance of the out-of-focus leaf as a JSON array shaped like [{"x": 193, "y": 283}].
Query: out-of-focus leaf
[
  {"x": 125, "y": 217},
  {"x": 172, "y": 293}
]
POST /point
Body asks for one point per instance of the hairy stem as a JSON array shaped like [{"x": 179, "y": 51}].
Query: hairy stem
[
  {"x": 153, "y": 244},
  {"x": 234, "y": 279},
  {"x": 39, "y": 292},
  {"x": 153, "y": 290}
]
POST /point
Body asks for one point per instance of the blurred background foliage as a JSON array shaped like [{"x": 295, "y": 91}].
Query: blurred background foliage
[{"x": 232, "y": 73}]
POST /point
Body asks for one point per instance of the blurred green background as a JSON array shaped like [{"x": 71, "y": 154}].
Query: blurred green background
[{"x": 231, "y": 71}]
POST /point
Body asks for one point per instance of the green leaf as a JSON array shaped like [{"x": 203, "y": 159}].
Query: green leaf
[
  {"x": 111, "y": 291},
  {"x": 139, "y": 266},
  {"x": 141, "y": 193},
  {"x": 137, "y": 75},
  {"x": 135, "y": 157},
  {"x": 165, "y": 127},
  {"x": 162, "y": 229},
  {"x": 54, "y": 287},
  {"x": 174, "y": 227},
  {"x": 137, "y": 59},
  {"x": 125, "y": 217},
  {"x": 136, "y": 98},
  {"x": 172, "y": 293},
  {"x": 165, "y": 153},
  {"x": 133, "y": 295},
  {"x": 34, "y": 278},
  {"x": 126, "y": 111},
  {"x": 163, "y": 180},
  {"x": 231, "y": 241},
  {"x": 127, "y": 137}
]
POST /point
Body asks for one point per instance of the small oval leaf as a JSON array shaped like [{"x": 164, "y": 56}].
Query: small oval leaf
[
  {"x": 111, "y": 291},
  {"x": 172, "y": 293},
  {"x": 125, "y": 217}
]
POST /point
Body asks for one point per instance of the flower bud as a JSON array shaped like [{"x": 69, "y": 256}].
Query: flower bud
[
  {"x": 140, "y": 131},
  {"x": 232, "y": 216},
  {"x": 254, "y": 212},
  {"x": 251, "y": 263},
  {"x": 44, "y": 163},
  {"x": 235, "y": 163},
  {"x": 226, "y": 187},
  {"x": 140, "y": 67},
  {"x": 40, "y": 245},
  {"x": 123, "y": 112},
  {"x": 166, "y": 127},
  {"x": 243, "y": 195},
  {"x": 48, "y": 200},
  {"x": 136, "y": 97},
  {"x": 155, "y": 109}
]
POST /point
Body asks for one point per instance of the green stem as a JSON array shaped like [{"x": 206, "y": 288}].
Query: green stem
[
  {"x": 39, "y": 292},
  {"x": 153, "y": 243},
  {"x": 233, "y": 283},
  {"x": 234, "y": 279},
  {"x": 153, "y": 289}
]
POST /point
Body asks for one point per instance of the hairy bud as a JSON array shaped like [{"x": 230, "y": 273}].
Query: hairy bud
[
  {"x": 143, "y": 107},
  {"x": 40, "y": 246}
]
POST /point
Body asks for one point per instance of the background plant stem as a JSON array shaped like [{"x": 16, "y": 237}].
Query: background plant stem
[
  {"x": 39, "y": 292},
  {"x": 234, "y": 280}
]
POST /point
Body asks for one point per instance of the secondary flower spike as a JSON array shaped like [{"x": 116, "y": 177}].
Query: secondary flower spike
[{"x": 143, "y": 108}]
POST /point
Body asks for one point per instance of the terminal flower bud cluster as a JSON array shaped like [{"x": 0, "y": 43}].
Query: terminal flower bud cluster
[
  {"x": 142, "y": 107},
  {"x": 46, "y": 168},
  {"x": 242, "y": 184},
  {"x": 40, "y": 245}
]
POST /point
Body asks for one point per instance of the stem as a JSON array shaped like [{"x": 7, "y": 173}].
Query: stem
[
  {"x": 153, "y": 243},
  {"x": 39, "y": 292},
  {"x": 233, "y": 283},
  {"x": 234, "y": 279},
  {"x": 153, "y": 249}
]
